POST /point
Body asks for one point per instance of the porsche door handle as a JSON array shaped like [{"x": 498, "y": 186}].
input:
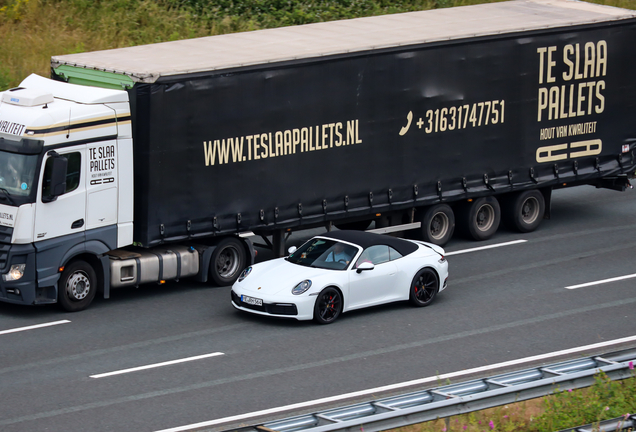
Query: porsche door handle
[{"x": 77, "y": 224}]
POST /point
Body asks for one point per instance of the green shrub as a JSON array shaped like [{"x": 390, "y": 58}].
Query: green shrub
[
  {"x": 563, "y": 409},
  {"x": 606, "y": 399}
]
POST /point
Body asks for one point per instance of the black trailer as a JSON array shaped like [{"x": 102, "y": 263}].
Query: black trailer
[{"x": 451, "y": 116}]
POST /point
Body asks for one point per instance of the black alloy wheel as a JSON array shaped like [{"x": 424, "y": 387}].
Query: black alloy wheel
[
  {"x": 328, "y": 306},
  {"x": 424, "y": 288}
]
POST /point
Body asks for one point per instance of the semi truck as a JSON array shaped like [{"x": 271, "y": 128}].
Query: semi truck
[{"x": 151, "y": 163}]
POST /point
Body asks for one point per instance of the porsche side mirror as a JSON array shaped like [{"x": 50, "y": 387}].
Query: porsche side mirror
[
  {"x": 365, "y": 266},
  {"x": 292, "y": 249}
]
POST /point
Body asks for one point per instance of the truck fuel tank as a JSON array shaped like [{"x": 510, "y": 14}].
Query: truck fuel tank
[{"x": 132, "y": 268}]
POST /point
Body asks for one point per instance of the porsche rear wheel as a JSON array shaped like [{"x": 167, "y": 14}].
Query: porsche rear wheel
[
  {"x": 328, "y": 306},
  {"x": 424, "y": 288}
]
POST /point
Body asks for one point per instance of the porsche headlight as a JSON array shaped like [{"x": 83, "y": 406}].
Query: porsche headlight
[
  {"x": 244, "y": 274},
  {"x": 302, "y": 287}
]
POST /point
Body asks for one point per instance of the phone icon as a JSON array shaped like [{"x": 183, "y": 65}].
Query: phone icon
[{"x": 409, "y": 118}]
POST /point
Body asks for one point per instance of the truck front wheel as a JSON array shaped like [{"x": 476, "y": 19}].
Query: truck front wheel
[
  {"x": 77, "y": 286},
  {"x": 228, "y": 260}
]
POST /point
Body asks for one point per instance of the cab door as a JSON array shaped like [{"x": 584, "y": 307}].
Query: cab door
[
  {"x": 101, "y": 184},
  {"x": 66, "y": 213}
]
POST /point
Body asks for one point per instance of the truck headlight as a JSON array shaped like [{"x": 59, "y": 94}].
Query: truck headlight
[{"x": 15, "y": 272}]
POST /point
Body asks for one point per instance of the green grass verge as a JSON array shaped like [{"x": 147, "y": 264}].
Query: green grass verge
[{"x": 564, "y": 409}]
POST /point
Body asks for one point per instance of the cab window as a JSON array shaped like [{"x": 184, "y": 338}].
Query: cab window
[{"x": 72, "y": 173}]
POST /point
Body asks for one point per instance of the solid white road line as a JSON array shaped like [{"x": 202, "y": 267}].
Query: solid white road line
[
  {"x": 601, "y": 281},
  {"x": 484, "y": 247},
  {"x": 436, "y": 378},
  {"x": 156, "y": 365},
  {"x": 15, "y": 330}
]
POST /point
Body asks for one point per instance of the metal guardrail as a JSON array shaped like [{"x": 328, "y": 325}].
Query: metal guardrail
[
  {"x": 454, "y": 399},
  {"x": 627, "y": 422}
]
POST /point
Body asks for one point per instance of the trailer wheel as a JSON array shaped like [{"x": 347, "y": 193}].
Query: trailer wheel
[
  {"x": 77, "y": 286},
  {"x": 438, "y": 224},
  {"x": 480, "y": 218},
  {"x": 228, "y": 260},
  {"x": 524, "y": 211}
]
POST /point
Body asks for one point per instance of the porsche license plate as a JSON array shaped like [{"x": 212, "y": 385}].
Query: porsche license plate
[{"x": 251, "y": 300}]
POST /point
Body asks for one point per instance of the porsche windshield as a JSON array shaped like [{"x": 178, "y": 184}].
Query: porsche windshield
[
  {"x": 17, "y": 174},
  {"x": 323, "y": 253}
]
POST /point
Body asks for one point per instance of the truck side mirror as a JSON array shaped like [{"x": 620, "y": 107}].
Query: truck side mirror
[{"x": 57, "y": 186}]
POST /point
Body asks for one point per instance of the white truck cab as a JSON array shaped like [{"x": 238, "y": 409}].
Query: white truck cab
[{"x": 66, "y": 185}]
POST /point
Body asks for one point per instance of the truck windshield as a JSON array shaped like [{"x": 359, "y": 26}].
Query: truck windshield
[{"x": 17, "y": 174}]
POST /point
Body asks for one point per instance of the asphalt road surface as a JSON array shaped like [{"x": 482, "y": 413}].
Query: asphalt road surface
[{"x": 508, "y": 302}]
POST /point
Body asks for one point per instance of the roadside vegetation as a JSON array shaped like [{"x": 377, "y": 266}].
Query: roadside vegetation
[
  {"x": 34, "y": 30},
  {"x": 564, "y": 409}
]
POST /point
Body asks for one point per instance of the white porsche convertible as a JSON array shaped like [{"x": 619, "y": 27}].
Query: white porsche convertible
[{"x": 341, "y": 271}]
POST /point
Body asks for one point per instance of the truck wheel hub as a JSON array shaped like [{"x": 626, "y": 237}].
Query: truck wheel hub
[
  {"x": 485, "y": 218},
  {"x": 530, "y": 210},
  {"x": 439, "y": 225},
  {"x": 78, "y": 286},
  {"x": 227, "y": 263}
]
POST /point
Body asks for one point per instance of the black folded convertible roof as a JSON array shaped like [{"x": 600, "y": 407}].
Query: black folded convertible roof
[{"x": 365, "y": 239}]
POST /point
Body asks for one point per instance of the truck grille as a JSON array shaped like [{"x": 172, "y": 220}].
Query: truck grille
[
  {"x": 5, "y": 234},
  {"x": 5, "y": 244}
]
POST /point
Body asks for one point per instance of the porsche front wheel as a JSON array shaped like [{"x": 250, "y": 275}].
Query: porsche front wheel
[
  {"x": 328, "y": 306},
  {"x": 424, "y": 288}
]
